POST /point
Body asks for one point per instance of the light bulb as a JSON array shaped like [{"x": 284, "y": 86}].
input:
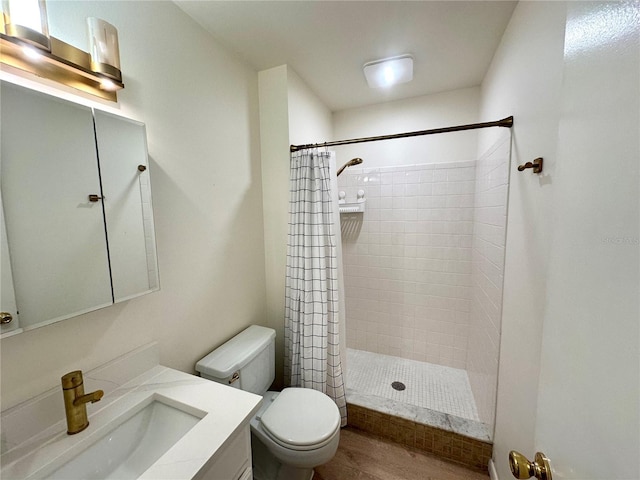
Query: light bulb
[
  {"x": 107, "y": 84},
  {"x": 31, "y": 53},
  {"x": 389, "y": 75}
]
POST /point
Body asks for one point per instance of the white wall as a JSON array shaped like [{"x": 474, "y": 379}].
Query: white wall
[
  {"x": 200, "y": 104},
  {"x": 274, "y": 144},
  {"x": 524, "y": 80},
  {"x": 290, "y": 113},
  {"x": 309, "y": 119},
  {"x": 445, "y": 109}
]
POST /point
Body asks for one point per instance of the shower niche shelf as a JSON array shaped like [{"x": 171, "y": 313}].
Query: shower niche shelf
[{"x": 352, "y": 207}]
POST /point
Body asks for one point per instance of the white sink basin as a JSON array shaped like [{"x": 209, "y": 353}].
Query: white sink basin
[{"x": 132, "y": 446}]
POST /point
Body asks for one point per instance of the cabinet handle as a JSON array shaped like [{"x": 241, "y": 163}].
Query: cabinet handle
[
  {"x": 94, "y": 198},
  {"x": 5, "y": 317},
  {"x": 141, "y": 168}
]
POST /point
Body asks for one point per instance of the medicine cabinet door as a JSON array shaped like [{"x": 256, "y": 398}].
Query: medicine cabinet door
[
  {"x": 122, "y": 153},
  {"x": 9, "y": 320},
  {"x": 55, "y": 233}
]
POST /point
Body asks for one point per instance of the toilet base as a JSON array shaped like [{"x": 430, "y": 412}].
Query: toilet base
[
  {"x": 267, "y": 467},
  {"x": 287, "y": 472}
]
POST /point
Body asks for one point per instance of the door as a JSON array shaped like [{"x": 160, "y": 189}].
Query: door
[
  {"x": 588, "y": 398},
  {"x": 8, "y": 309},
  {"x": 56, "y": 235},
  {"x": 122, "y": 152}
]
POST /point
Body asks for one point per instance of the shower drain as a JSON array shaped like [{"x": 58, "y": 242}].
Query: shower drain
[{"x": 398, "y": 386}]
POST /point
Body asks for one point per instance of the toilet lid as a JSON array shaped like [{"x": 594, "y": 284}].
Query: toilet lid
[{"x": 301, "y": 417}]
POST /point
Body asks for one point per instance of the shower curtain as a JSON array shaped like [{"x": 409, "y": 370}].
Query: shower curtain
[{"x": 312, "y": 346}]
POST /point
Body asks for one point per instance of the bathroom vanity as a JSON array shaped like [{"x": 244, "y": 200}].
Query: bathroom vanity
[{"x": 153, "y": 423}]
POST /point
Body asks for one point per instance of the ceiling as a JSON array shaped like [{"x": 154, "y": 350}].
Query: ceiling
[{"x": 327, "y": 42}]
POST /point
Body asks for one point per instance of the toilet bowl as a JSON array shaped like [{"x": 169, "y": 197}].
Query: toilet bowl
[
  {"x": 299, "y": 429},
  {"x": 294, "y": 430}
]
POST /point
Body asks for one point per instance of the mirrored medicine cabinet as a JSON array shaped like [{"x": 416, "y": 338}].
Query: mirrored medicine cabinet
[{"x": 76, "y": 222}]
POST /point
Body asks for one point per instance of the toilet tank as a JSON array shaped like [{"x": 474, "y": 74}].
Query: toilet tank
[{"x": 247, "y": 361}]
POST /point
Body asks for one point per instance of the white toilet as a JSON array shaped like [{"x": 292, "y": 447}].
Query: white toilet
[{"x": 294, "y": 430}]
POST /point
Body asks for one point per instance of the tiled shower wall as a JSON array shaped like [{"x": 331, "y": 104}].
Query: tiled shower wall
[
  {"x": 489, "y": 227},
  {"x": 408, "y": 261}
]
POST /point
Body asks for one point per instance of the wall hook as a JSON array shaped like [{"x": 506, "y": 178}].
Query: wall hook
[{"x": 536, "y": 165}]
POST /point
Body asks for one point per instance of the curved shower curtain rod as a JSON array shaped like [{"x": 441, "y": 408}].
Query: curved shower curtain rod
[{"x": 505, "y": 122}]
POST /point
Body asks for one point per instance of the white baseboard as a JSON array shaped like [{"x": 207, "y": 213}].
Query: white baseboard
[{"x": 492, "y": 470}]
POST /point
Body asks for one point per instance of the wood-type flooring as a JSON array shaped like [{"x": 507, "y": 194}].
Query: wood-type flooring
[{"x": 362, "y": 456}]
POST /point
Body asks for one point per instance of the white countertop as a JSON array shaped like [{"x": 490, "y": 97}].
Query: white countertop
[{"x": 224, "y": 410}]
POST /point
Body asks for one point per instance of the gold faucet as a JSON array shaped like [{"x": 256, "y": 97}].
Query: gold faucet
[{"x": 75, "y": 401}]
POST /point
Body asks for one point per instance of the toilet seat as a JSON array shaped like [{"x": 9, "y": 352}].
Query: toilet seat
[{"x": 301, "y": 419}]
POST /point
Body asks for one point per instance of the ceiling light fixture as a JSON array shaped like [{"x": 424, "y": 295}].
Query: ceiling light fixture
[{"x": 389, "y": 71}]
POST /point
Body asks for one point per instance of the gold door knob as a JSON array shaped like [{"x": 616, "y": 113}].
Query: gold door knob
[
  {"x": 521, "y": 467},
  {"x": 94, "y": 197},
  {"x": 5, "y": 317}
]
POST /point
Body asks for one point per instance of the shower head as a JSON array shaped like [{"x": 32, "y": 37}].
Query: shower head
[{"x": 350, "y": 163}]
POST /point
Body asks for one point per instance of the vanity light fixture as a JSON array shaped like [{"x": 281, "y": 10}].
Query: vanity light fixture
[
  {"x": 27, "y": 20},
  {"x": 104, "y": 48},
  {"x": 389, "y": 71},
  {"x": 25, "y": 44}
]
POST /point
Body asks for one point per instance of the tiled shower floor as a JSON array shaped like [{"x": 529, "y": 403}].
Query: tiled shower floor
[{"x": 434, "y": 395}]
